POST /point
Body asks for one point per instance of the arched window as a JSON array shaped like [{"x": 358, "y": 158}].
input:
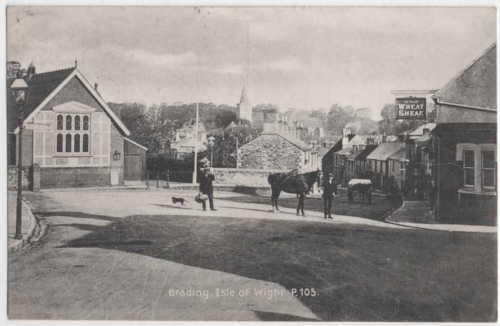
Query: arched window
[
  {"x": 86, "y": 123},
  {"x": 68, "y": 143},
  {"x": 60, "y": 142},
  {"x": 85, "y": 147},
  {"x": 77, "y": 122},
  {"x": 68, "y": 122},
  {"x": 77, "y": 143},
  {"x": 59, "y": 122}
]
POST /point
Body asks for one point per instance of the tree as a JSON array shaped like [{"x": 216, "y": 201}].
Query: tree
[
  {"x": 390, "y": 126},
  {"x": 225, "y": 144}
]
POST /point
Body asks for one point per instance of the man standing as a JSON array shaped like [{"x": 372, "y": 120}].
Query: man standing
[
  {"x": 206, "y": 187},
  {"x": 329, "y": 191}
]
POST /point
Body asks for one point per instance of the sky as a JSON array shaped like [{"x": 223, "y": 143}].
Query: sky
[{"x": 294, "y": 57}]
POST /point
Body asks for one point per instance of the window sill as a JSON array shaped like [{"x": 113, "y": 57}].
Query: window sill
[
  {"x": 479, "y": 193},
  {"x": 72, "y": 155}
]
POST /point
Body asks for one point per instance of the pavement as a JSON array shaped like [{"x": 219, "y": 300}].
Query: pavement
[
  {"x": 417, "y": 214},
  {"x": 29, "y": 222}
]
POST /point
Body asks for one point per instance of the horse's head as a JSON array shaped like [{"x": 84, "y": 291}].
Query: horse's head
[{"x": 311, "y": 177}]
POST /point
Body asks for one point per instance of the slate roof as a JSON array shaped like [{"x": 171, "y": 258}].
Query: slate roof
[
  {"x": 297, "y": 142},
  {"x": 345, "y": 151},
  {"x": 399, "y": 155},
  {"x": 476, "y": 85},
  {"x": 362, "y": 154},
  {"x": 419, "y": 131},
  {"x": 384, "y": 151},
  {"x": 40, "y": 86},
  {"x": 335, "y": 148}
]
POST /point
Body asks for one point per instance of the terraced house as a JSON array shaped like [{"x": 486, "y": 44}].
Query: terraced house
[{"x": 70, "y": 136}]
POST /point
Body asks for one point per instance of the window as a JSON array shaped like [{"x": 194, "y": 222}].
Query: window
[
  {"x": 59, "y": 122},
  {"x": 488, "y": 169},
  {"x": 59, "y": 143},
  {"x": 468, "y": 168},
  {"x": 85, "y": 147},
  {"x": 478, "y": 165},
  {"x": 68, "y": 143},
  {"x": 85, "y": 123},
  {"x": 77, "y": 143},
  {"x": 68, "y": 122},
  {"x": 73, "y": 133},
  {"x": 77, "y": 122}
]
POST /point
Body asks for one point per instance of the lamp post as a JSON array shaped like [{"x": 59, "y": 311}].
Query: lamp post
[
  {"x": 237, "y": 140},
  {"x": 19, "y": 90},
  {"x": 195, "y": 163}
]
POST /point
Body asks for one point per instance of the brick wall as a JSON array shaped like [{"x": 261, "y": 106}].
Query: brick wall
[
  {"x": 449, "y": 178},
  {"x": 271, "y": 152},
  {"x": 74, "y": 177},
  {"x": 243, "y": 177},
  {"x": 12, "y": 178}
]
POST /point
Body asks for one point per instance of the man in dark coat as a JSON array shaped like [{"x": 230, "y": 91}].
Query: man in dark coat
[
  {"x": 329, "y": 191},
  {"x": 206, "y": 187}
]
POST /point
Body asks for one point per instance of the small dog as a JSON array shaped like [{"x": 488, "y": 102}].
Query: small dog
[{"x": 176, "y": 200}]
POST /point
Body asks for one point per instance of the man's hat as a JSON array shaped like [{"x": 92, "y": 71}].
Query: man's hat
[{"x": 204, "y": 163}]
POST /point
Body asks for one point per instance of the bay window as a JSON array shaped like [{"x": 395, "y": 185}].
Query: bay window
[{"x": 478, "y": 163}]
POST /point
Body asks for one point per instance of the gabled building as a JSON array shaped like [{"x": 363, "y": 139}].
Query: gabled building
[
  {"x": 465, "y": 145},
  {"x": 275, "y": 151},
  {"x": 184, "y": 144},
  {"x": 70, "y": 136}
]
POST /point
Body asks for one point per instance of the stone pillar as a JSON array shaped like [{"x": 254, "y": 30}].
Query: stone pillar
[{"x": 36, "y": 177}]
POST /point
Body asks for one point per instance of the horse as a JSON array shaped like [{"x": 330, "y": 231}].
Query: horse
[
  {"x": 293, "y": 183},
  {"x": 362, "y": 186}
]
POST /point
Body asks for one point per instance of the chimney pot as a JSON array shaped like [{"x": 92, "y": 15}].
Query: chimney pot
[
  {"x": 31, "y": 71},
  {"x": 96, "y": 86}
]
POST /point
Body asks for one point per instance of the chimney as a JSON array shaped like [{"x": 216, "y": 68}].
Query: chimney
[
  {"x": 96, "y": 86},
  {"x": 31, "y": 71}
]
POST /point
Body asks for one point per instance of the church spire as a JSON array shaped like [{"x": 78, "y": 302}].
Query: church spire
[{"x": 244, "y": 107}]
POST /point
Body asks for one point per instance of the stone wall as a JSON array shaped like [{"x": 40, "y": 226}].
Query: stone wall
[
  {"x": 243, "y": 177},
  {"x": 271, "y": 152}
]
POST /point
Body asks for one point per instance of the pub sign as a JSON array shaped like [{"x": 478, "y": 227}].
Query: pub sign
[{"x": 411, "y": 108}]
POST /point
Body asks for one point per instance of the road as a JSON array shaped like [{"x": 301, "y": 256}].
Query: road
[{"x": 134, "y": 255}]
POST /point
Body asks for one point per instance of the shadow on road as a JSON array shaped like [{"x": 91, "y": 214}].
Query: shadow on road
[{"x": 360, "y": 273}]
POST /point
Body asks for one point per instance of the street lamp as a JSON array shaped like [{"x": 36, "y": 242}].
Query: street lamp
[
  {"x": 19, "y": 90},
  {"x": 211, "y": 143}
]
